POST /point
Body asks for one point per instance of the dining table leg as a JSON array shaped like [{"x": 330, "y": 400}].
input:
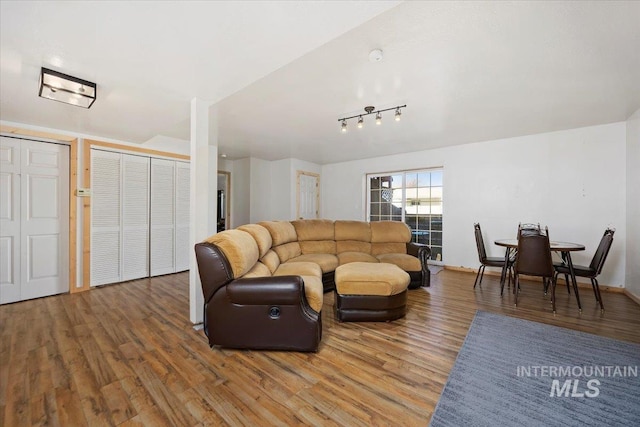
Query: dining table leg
[
  {"x": 503, "y": 274},
  {"x": 572, "y": 273}
]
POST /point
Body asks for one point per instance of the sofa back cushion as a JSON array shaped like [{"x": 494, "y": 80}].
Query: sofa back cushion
[
  {"x": 316, "y": 236},
  {"x": 261, "y": 236},
  {"x": 281, "y": 232},
  {"x": 285, "y": 239},
  {"x": 353, "y": 236},
  {"x": 258, "y": 270},
  {"x": 287, "y": 251},
  {"x": 389, "y": 237},
  {"x": 271, "y": 260},
  {"x": 314, "y": 229},
  {"x": 240, "y": 249}
]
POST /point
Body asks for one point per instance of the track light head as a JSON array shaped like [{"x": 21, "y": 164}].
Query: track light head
[
  {"x": 398, "y": 114},
  {"x": 379, "y": 118},
  {"x": 343, "y": 128},
  {"x": 360, "y": 122}
]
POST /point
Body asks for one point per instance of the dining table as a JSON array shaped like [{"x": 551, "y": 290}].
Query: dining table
[{"x": 564, "y": 248}]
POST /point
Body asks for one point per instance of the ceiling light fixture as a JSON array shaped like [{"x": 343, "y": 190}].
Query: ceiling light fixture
[
  {"x": 68, "y": 89},
  {"x": 370, "y": 109}
]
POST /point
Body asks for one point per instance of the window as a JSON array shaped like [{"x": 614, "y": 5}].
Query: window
[{"x": 414, "y": 197}]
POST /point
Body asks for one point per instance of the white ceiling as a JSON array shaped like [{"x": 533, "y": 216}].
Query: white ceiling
[{"x": 282, "y": 73}]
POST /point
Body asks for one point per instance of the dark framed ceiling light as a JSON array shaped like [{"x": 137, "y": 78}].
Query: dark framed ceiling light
[{"x": 68, "y": 89}]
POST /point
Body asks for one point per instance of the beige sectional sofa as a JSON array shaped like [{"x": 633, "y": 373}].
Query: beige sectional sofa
[{"x": 263, "y": 283}]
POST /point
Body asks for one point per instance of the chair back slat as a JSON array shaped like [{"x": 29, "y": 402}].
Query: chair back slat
[
  {"x": 597, "y": 262},
  {"x": 482, "y": 253},
  {"x": 534, "y": 255}
]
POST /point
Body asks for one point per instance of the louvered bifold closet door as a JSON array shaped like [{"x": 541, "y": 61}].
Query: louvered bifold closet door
[
  {"x": 105, "y": 217},
  {"x": 162, "y": 216},
  {"x": 182, "y": 250},
  {"x": 135, "y": 217}
]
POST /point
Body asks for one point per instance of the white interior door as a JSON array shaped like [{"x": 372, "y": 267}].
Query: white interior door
[
  {"x": 308, "y": 186},
  {"x": 162, "y": 216},
  {"x": 106, "y": 177},
  {"x": 135, "y": 217},
  {"x": 35, "y": 184}
]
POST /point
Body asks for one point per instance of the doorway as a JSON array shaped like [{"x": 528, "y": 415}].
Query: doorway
[
  {"x": 34, "y": 219},
  {"x": 224, "y": 201}
]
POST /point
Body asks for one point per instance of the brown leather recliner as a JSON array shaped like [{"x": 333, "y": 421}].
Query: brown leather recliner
[{"x": 269, "y": 313}]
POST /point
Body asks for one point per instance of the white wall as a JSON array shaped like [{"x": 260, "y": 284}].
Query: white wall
[
  {"x": 282, "y": 186},
  {"x": 633, "y": 205},
  {"x": 240, "y": 192},
  {"x": 260, "y": 191},
  {"x": 573, "y": 181}
]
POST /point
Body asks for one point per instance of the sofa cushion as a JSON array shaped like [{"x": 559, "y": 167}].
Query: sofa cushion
[
  {"x": 318, "y": 247},
  {"x": 299, "y": 269},
  {"x": 352, "y": 230},
  {"x": 258, "y": 270},
  {"x": 287, "y": 251},
  {"x": 353, "y": 246},
  {"x": 347, "y": 257},
  {"x": 240, "y": 249},
  {"x": 388, "y": 248},
  {"x": 271, "y": 260},
  {"x": 281, "y": 232},
  {"x": 390, "y": 232},
  {"x": 363, "y": 278},
  {"x": 327, "y": 262},
  {"x": 404, "y": 261},
  {"x": 314, "y": 229},
  {"x": 313, "y": 290},
  {"x": 261, "y": 236}
]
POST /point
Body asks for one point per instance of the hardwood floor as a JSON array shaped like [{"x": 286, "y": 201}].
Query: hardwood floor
[{"x": 127, "y": 355}]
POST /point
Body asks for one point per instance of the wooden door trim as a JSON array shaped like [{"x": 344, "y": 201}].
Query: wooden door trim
[{"x": 315, "y": 175}]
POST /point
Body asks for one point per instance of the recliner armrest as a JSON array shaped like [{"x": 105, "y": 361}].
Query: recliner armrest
[
  {"x": 422, "y": 252},
  {"x": 277, "y": 290},
  {"x": 419, "y": 250}
]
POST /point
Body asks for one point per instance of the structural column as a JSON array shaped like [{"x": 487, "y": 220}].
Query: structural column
[{"x": 204, "y": 185}]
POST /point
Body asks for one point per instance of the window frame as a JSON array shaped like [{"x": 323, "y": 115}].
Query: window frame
[{"x": 403, "y": 187}]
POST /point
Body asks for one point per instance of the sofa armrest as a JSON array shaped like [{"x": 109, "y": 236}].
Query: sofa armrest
[
  {"x": 422, "y": 252},
  {"x": 278, "y": 290},
  {"x": 213, "y": 267}
]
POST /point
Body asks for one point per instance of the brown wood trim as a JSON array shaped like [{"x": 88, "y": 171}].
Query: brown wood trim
[
  {"x": 633, "y": 296},
  {"x": 151, "y": 152},
  {"x": 605, "y": 288},
  {"x": 86, "y": 217},
  {"x": 37, "y": 134},
  {"x": 73, "y": 211}
]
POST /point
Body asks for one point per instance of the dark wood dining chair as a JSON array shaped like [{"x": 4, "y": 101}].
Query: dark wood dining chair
[
  {"x": 484, "y": 259},
  {"x": 595, "y": 267},
  {"x": 534, "y": 259}
]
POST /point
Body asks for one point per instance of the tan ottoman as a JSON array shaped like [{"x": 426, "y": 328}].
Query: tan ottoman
[{"x": 368, "y": 292}]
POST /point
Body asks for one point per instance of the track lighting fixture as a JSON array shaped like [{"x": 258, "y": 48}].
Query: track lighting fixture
[{"x": 370, "y": 109}]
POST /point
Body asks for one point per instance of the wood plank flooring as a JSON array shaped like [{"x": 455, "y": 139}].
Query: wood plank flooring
[{"x": 127, "y": 355}]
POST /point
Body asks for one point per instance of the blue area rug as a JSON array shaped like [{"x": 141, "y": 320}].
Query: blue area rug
[{"x": 513, "y": 372}]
